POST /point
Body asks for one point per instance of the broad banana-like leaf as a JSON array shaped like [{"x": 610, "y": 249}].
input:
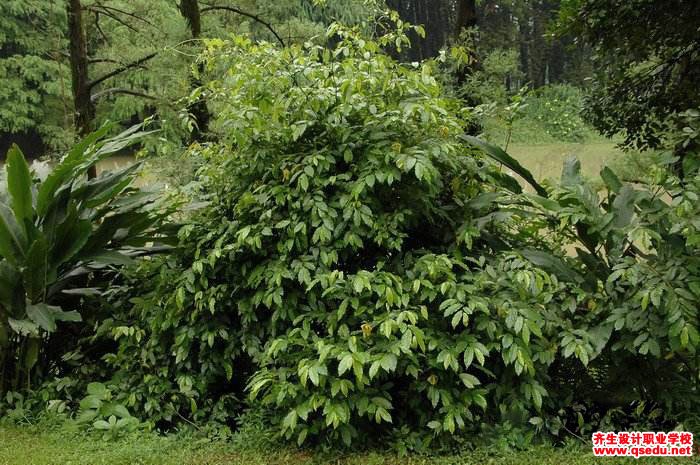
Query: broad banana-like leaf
[
  {"x": 555, "y": 265},
  {"x": 71, "y": 237},
  {"x": 9, "y": 279},
  {"x": 66, "y": 170},
  {"x": 56, "y": 230},
  {"x": 110, "y": 257},
  {"x": 612, "y": 182},
  {"x": 501, "y": 156},
  {"x": 105, "y": 187},
  {"x": 36, "y": 269},
  {"x": 12, "y": 236},
  {"x": 508, "y": 182},
  {"x": 43, "y": 315},
  {"x": 123, "y": 140},
  {"x": 623, "y": 206},
  {"x": 19, "y": 185},
  {"x": 31, "y": 352}
]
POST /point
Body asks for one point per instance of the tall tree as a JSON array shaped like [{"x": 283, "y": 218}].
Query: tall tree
[
  {"x": 84, "y": 94},
  {"x": 84, "y": 108},
  {"x": 197, "y": 109},
  {"x": 466, "y": 15},
  {"x": 647, "y": 57},
  {"x": 35, "y": 91},
  {"x": 110, "y": 48},
  {"x": 438, "y": 17}
]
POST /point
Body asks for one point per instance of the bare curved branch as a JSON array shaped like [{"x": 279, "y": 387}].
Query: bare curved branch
[
  {"x": 134, "y": 64},
  {"x": 246, "y": 14},
  {"x": 105, "y": 7},
  {"x": 118, "y": 90}
]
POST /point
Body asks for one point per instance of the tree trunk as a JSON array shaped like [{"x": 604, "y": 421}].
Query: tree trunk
[
  {"x": 84, "y": 110},
  {"x": 466, "y": 15},
  {"x": 198, "y": 109},
  {"x": 438, "y": 18}
]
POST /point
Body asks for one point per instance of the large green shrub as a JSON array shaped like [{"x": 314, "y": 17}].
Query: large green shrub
[
  {"x": 351, "y": 259},
  {"x": 365, "y": 273}
]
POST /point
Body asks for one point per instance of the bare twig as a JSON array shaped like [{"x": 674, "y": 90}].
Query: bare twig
[
  {"x": 120, "y": 70},
  {"x": 114, "y": 17},
  {"x": 105, "y": 7},
  {"x": 103, "y": 60},
  {"x": 187, "y": 420},
  {"x": 246, "y": 14},
  {"x": 118, "y": 90},
  {"x": 99, "y": 28}
]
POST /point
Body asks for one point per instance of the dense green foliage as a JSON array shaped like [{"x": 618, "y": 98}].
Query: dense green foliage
[
  {"x": 35, "y": 86},
  {"x": 548, "y": 114},
  {"x": 352, "y": 268},
  {"x": 140, "y": 58},
  {"x": 57, "y": 235},
  {"x": 362, "y": 273},
  {"x": 647, "y": 60}
]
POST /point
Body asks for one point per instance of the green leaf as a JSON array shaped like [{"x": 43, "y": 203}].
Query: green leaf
[
  {"x": 70, "y": 237},
  {"x": 552, "y": 264},
  {"x": 19, "y": 184},
  {"x": 571, "y": 172},
  {"x": 23, "y": 327},
  {"x": 120, "y": 411},
  {"x": 91, "y": 402},
  {"x": 500, "y": 156},
  {"x": 469, "y": 380},
  {"x": 302, "y": 436},
  {"x": 546, "y": 203},
  {"x": 36, "y": 271},
  {"x": 96, "y": 389},
  {"x": 83, "y": 291},
  {"x": 122, "y": 140},
  {"x": 101, "y": 425},
  {"x": 9, "y": 284},
  {"x": 43, "y": 315},
  {"x": 611, "y": 180},
  {"x": 71, "y": 316},
  {"x": 86, "y": 415},
  {"x": 66, "y": 171},
  {"x": 110, "y": 257},
  {"x": 507, "y": 181},
  {"x": 623, "y": 206},
  {"x": 345, "y": 364},
  {"x": 388, "y": 362},
  {"x": 31, "y": 354},
  {"x": 105, "y": 187},
  {"x": 12, "y": 237}
]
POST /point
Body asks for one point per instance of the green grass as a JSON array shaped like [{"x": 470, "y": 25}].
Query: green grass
[
  {"x": 546, "y": 160},
  {"x": 39, "y": 446}
]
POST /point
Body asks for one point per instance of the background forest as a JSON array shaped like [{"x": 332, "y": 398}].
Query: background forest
[{"x": 434, "y": 230}]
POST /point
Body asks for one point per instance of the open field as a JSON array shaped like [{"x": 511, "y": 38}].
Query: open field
[
  {"x": 29, "y": 446},
  {"x": 546, "y": 160}
]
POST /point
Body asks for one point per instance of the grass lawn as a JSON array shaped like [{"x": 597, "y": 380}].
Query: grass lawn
[
  {"x": 546, "y": 160},
  {"x": 24, "y": 446}
]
